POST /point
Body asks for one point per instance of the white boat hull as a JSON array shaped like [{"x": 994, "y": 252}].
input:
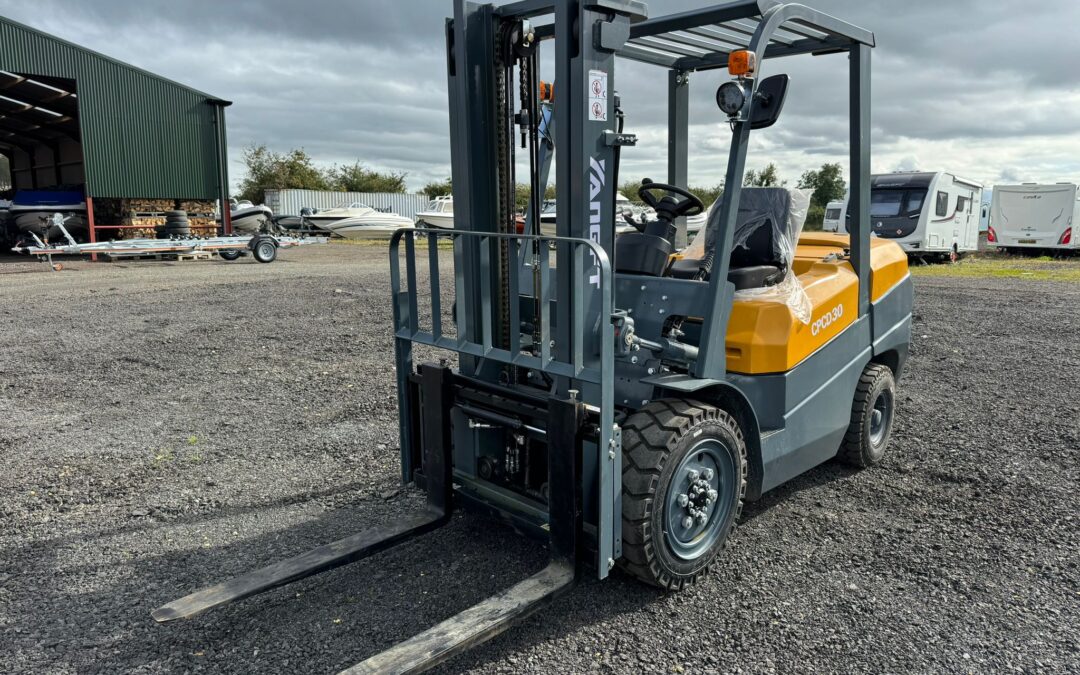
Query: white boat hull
[
  {"x": 441, "y": 221},
  {"x": 694, "y": 224},
  {"x": 250, "y": 221},
  {"x": 375, "y": 226}
]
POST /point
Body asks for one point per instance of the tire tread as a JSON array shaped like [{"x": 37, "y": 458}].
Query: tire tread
[
  {"x": 853, "y": 449},
  {"x": 649, "y": 436}
]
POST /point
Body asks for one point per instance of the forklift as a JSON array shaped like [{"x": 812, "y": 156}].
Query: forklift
[{"x": 608, "y": 394}]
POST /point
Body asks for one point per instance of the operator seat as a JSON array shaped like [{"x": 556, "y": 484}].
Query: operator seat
[{"x": 758, "y": 258}]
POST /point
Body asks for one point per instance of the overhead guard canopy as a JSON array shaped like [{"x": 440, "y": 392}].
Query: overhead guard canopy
[{"x": 702, "y": 39}]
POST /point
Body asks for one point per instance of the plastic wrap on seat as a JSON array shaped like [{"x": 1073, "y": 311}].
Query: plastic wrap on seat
[{"x": 783, "y": 213}]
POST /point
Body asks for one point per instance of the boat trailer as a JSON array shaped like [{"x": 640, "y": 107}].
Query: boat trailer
[{"x": 263, "y": 247}]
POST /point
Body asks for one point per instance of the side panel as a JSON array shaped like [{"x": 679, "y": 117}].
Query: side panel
[
  {"x": 892, "y": 322},
  {"x": 816, "y": 394},
  {"x": 816, "y": 399},
  {"x": 930, "y": 226}
]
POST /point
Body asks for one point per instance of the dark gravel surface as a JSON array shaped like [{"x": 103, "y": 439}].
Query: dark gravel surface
[{"x": 165, "y": 426}]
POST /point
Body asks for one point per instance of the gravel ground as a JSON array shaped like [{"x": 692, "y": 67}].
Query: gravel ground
[{"x": 165, "y": 426}]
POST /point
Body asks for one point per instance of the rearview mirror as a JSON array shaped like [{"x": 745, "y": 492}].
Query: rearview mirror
[{"x": 768, "y": 101}]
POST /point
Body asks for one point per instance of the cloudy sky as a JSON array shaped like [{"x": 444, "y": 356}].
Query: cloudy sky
[{"x": 987, "y": 89}]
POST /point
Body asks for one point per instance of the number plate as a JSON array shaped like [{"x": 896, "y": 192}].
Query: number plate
[{"x": 1027, "y": 241}]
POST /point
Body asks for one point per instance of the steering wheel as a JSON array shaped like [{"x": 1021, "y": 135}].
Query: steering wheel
[{"x": 689, "y": 205}]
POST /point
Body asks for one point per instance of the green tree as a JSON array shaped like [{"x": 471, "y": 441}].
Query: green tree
[
  {"x": 521, "y": 197},
  {"x": 767, "y": 177},
  {"x": 438, "y": 188},
  {"x": 827, "y": 183},
  {"x": 815, "y": 217},
  {"x": 267, "y": 169},
  {"x": 358, "y": 178},
  {"x": 708, "y": 195},
  {"x": 630, "y": 189}
]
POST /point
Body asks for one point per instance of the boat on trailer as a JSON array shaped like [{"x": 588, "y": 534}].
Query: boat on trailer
[
  {"x": 248, "y": 218},
  {"x": 372, "y": 225},
  {"x": 439, "y": 214},
  {"x": 33, "y": 211}
]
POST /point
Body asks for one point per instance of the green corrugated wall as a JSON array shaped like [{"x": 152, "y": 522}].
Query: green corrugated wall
[{"x": 142, "y": 135}]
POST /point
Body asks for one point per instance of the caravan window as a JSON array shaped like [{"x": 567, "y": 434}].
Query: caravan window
[
  {"x": 942, "y": 208},
  {"x": 914, "y": 202},
  {"x": 886, "y": 203},
  {"x": 833, "y": 213},
  {"x": 961, "y": 204}
]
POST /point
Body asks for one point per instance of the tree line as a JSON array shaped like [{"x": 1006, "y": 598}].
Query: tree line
[
  {"x": 826, "y": 185},
  {"x": 268, "y": 170},
  {"x": 295, "y": 169}
]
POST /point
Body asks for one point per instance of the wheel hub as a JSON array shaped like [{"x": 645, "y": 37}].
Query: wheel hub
[
  {"x": 879, "y": 418},
  {"x": 694, "y": 515}
]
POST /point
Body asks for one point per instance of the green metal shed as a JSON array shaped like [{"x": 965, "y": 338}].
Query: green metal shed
[{"x": 135, "y": 134}]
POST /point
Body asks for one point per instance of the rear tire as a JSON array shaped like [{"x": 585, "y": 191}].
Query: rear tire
[
  {"x": 265, "y": 250},
  {"x": 872, "y": 413},
  {"x": 679, "y": 456},
  {"x": 229, "y": 255}
]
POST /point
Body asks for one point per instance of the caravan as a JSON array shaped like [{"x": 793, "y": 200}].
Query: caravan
[
  {"x": 926, "y": 213},
  {"x": 834, "y": 217},
  {"x": 1032, "y": 216}
]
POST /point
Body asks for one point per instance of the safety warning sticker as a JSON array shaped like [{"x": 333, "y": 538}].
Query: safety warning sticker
[{"x": 597, "y": 96}]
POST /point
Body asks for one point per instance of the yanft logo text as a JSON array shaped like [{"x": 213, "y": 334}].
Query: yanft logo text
[
  {"x": 827, "y": 319},
  {"x": 596, "y": 185}
]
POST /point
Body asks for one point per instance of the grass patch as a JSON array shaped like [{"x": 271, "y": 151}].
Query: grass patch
[{"x": 1003, "y": 267}]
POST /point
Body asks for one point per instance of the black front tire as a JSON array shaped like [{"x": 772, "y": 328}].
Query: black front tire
[
  {"x": 872, "y": 413},
  {"x": 657, "y": 441}
]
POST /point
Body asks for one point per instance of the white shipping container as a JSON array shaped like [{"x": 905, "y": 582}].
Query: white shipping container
[{"x": 290, "y": 202}]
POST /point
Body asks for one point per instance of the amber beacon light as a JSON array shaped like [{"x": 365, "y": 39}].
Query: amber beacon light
[{"x": 742, "y": 63}]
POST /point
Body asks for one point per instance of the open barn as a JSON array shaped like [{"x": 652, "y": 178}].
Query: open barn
[{"x": 122, "y": 145}]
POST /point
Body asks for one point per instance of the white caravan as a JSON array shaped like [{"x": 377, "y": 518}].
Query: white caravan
[
  {"x": 834, "y": 217},
  {"x": 1032, "y": 216},
  {"x": 926, "y": 213}
]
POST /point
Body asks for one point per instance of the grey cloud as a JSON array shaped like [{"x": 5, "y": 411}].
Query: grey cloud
[{"x": 985, "y": 86}]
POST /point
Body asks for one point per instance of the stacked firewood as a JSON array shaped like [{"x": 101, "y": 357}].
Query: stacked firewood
[
  {"x": 144, "y": 218},
  {"x": 148, "y": 205}
]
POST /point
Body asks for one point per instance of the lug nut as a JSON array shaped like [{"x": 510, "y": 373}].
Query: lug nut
[
  {"x": 707, "y": 474},
  {"x": 713, "y": 495},
  {"x": 692, "y": 475},
  {"x": 701, "y": 517},
  {"x": 683, "y": 500},
  {"x": 687, "y": 522}
]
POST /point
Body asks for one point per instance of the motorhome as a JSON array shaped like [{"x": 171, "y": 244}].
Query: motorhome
[
  {"x": 984, "y": 211},
  {"x": 834, "y": 217},
  {"x": 926, "y": 213},
  {"x": 1032, "y": 216}
]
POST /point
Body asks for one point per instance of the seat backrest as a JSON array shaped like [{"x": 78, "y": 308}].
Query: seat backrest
[
  {"x": 760, "y": 224},
  {"x": 763, "y": 217}
]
